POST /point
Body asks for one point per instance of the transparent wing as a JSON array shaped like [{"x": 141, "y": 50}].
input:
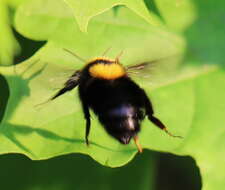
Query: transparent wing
[
  {"x": 53, "y": 80},
  {"x": 70, "y": 84},
  {"x": 57, "y": 80},
  {"x": 155, "y": 72}
]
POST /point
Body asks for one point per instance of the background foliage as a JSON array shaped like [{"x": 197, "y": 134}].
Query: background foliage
[{"x": 190, "y": 101}]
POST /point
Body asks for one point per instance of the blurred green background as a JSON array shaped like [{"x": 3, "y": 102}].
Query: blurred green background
[{"x": 148, "y": 171}]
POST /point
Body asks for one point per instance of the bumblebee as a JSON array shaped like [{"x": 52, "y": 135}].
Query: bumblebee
[{"x": 105, "y": 87}]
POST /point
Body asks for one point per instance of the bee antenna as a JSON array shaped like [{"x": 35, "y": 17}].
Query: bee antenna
[
  {"x": 138, "y": 144},
  {"x": 106, "y": 51},
  {"x": 75, "y": 55},
  {"x": 118, "y": 56}
]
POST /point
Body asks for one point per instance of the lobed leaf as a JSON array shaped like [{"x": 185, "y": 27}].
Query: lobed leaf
[{"x": 191, "y": 105}]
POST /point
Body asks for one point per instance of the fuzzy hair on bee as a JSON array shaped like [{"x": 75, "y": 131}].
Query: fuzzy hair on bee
[{"x": 120, "y": 104}]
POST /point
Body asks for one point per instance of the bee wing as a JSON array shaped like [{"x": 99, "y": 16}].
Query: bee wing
[
  {"x": 70, "y": 84},
  {"x": 141, "y": 68},
  {"x": 57, "y": 80},
  {"x": 156, "y": 71}
]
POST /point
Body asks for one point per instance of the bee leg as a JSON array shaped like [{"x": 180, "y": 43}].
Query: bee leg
[
  {"x": 138, "y": 144},
  {"x": 159, "y": 124},
  {"x": 153, "y": 119},
  {"x": 88, "y": 122}
]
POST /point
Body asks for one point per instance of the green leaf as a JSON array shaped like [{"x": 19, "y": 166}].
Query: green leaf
[
  {"x": 205, "y": 140},
  {"x": 15, "y": 3},
  {"x": 191, "y": 105},
  {"x": 28, "y": 129},
  {"x": 177, "y": 14},
  {"x": 9, "y": 47},
  {"x": 84, "y": 10}
]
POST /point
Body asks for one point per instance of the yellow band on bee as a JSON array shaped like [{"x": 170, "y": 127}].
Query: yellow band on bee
[{"x": 107, "y": 71}]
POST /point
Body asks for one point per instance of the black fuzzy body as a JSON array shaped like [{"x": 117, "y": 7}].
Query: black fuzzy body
[{"x": 118, "y": 103}]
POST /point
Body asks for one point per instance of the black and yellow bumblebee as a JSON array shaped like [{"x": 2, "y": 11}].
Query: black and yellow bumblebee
[{"x": 105, "y": 86}]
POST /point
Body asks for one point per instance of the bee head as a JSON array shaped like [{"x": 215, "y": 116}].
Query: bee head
[
  {"x": 130, "y": 131},
  {"x": 122, "y": 128},
  {"x": 128, "y": 128},
  {"x": 125, "y": 138}
]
